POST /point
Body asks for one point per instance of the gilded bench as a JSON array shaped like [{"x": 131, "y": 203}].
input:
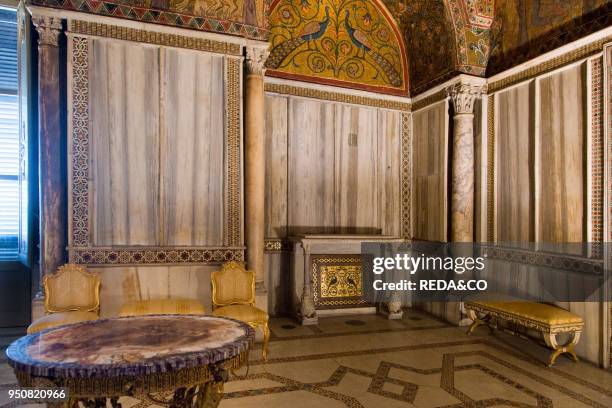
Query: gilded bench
[{"x": 546, "y": 319}]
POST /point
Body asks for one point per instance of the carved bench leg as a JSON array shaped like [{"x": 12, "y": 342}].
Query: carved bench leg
[
  {"x": 551, "y": 341},
  {"x": 476, "y": 321}
]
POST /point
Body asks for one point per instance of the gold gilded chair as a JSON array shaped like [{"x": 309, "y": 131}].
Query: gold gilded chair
[
  {"x": 72, "y": 295},
  {"x": 233, "y": 296},
  {"x": 162, "y": 306}
]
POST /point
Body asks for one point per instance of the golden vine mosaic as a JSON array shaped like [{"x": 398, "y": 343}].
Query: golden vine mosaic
[{"x": 341, "y": 42}]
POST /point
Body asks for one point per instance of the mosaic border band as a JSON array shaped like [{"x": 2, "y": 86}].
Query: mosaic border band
[
  {"x": 336, "y": 97},
  {"x": 563, "y": 262},
  {"x": 146, "y": 256},
  {"x": 429, "y": 100},
  {"x": 491, "y": 168},
  {"x": 406, "y": 175},
  {"x": 596, "y": 151},
  {"x": 233, "y": 67},
  {"x": 167, "y": 18},
  {"x": 274, "y": 245},
  {"x": 80, "y": 142},
  {"x": 549, "y": 65},
  {"x": 153, "y": 37}
]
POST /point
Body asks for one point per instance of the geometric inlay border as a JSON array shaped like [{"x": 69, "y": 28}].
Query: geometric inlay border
[
  {"x": 336, "y": 96},
  {"x": 81, "y": 249},
  {"x": 406, "y": 175},
  {"x": 150, "y": 255},
  {"x": 153, "y": 37},
  {"x": 79, "y": 174}
]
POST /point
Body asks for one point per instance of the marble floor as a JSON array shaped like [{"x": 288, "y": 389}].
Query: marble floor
[{"x": 419, "y": 361}]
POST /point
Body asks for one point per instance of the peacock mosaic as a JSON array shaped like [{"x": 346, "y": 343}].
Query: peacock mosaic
[{"x": 351, "y": 43}]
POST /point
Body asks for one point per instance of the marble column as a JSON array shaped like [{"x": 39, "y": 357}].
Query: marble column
[
  {"x": 52, "y": 192},
  {"x": 463, "y": 97},
  {"x": 254, "y": 158}
]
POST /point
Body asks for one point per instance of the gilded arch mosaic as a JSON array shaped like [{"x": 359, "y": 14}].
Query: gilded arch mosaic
[{"x": 352, "y": 43}]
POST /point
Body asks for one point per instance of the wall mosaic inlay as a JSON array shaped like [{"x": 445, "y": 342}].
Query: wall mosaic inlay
[
  {"x": 336, "y": 97},
  {"x": 275, "y": 245},
  {"x": 491, "y": 168},
  {"x": 406, "y": 175},
  {"x": 582, "y": 265},
  {"x": 144, "y": 256},
  {"x": 596, "y": 151},
  {"x": 152, "y": 37},
  {"x": 232, "y": 111},
  {"x": 429, "y": 100},
  {"x": 79, "y": 143},
  {"x": 220, "y": 16},
  {"x": 352, "y": 43}
]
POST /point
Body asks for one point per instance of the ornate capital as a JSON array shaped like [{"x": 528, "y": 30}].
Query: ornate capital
[
  {"x": 256, "y": 59},
  {"x": 463, "y": 96},
  {"x": 49, "y": 30}
]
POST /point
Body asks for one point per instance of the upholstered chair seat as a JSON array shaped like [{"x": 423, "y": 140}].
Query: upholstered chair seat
[
  {"x": 72, "y": 295},
  {"x": 233, "y": 296},
  {"x": 245, "y": 313},
  {"x": 162, "y": 306}
]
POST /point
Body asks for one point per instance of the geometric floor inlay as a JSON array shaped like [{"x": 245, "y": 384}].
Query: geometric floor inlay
[{"x": 417, "y": 361}]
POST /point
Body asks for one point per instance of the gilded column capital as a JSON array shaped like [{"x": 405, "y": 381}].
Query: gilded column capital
[
  {"x": 49, "y": 30},
  {"x": 256, "y": 60},
  {"x": 463, "y": 96}
]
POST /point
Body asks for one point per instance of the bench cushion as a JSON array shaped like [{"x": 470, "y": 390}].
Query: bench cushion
[
  {"x": 60, "y": 319},
  {"x": 162, "y": 306},
  {"x": 540, "y": 313}
]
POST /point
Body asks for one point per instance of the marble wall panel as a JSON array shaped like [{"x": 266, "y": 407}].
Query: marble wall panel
[
  {"x": 430, "y": 136},
  {"x": 310, "y": 189},
  {"x": 192, "y": 148},
  {"x": 356, "y": 168},
  {"x": 124, "y": 88},
  {"x": 562, "y": 192},
  {"x": 276, "y": 166},
  {"x": 515, "y": 164},
  {"x": 389, "y": 168},
  {"x": 330, "y": 167}
]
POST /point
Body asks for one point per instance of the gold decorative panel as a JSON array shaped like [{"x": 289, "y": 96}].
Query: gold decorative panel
[
  {"x": 351, "y": 43},
  {"x": 340, "y": 281},
  {"x": 337, "y": 281}
]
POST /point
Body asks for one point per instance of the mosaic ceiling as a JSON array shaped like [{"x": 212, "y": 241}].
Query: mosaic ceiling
[{"x": 388, "y": 46}]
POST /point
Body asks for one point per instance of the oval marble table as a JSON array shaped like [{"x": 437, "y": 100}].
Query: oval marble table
[{"x": 168, "y": 360}]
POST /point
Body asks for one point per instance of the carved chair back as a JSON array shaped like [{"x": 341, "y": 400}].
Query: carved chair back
[
  {"x": 72, "y": 288},
  {"x": 233, "y": 285}
]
